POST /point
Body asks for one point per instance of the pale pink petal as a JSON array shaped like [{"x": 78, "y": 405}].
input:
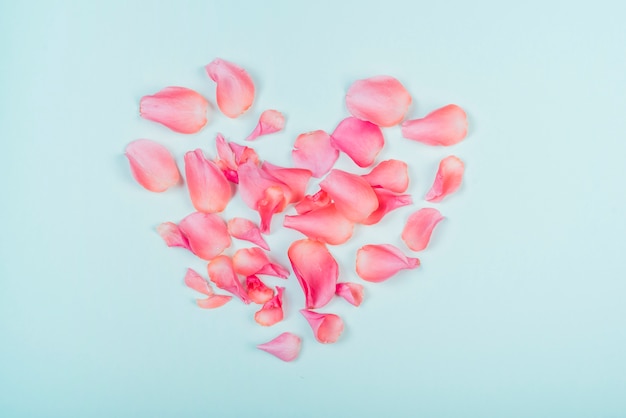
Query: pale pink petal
[
  {"x": 222, "y": 273},
  {"x": 352, "y": 195},
  {"x": 172, "y": 235},
  {"x": 325, "y": 224},
  {"x": 376, "y": 263},
  {"x": 387, "y": 201},
  {"x": 249, "y": 261},
  {"x": 208, "y": 187},
  {"x": 272, "y": 310},
  {"x": 352, "y": 292},
  {"x": 257, "y": 291},
  {"x": 312, "y": 202},
  {"x": 392, "y": 175},
  {"x": 445, "y": 126},
  {"x": 316, "y": 270},
  {"x": 213, "y": 302},
  {"x": 359, "y": 139},
  {"x": 419, "y": 227},
  {"x": 152, "y": 165},
  {"x": 194, "y": 281},
  {"x": 235, "y": 89},
  {"x": 286, "y": 346},
  {"x": 206, "y": 233},
  {"x": 270, "y": 121},
  {"x": 314, "y": 151},
  {"x": 382, "y": 100},
  {"x": 180, "y": 109},
  {"x": 448, "y": 179},
  {"x": 246, "y": 230},
  {"x": 296, "y": 180},
  {"x": 253, "y": 182},
  {"x": 326, "y": 327},
  {"x": 273, "y": 202}
]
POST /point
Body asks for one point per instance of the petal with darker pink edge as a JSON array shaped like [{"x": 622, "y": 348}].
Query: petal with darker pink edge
[
  {"x": 352, "y": 195},
  {"x": 258, "y": 291},
  {"x": 378, "y": 262},
  {"x": 252, "y": 261},
  {"x": 325, "y": 224},
  {"x": 316, "y": 271},
  {"x": 235, "y": 88},
  {"x": 387, "y": 201},
  {"x": 152, "y": 165},
  {"x": 447, "y": 180},
  {"x": 352, "y": 292},
  {"x": 392, "y": 175},
  {"x": 326, "y": 327},
  {"x": 359, "y": 139},
  {"x": 222, "y": 273},
  {"x": 181, "y": 109},
  {"x": 312, "y": 202},
  {"x": 272, "y": 310}
]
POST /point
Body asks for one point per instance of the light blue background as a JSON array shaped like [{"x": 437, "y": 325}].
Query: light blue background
[{"x": 518, "y": 310}]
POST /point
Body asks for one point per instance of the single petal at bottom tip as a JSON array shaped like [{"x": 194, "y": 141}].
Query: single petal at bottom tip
[{"x": 286, "y": 346}]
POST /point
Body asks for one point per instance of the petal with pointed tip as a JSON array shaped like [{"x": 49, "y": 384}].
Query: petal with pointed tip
[
  {"x": 272, "y": 310},
  {"x": 208, "y": 187},
  {"x": 152, "y": 165},
  {"x": 181, "y": 109},
  {"x": 273, "y": 202},
  {"x": 249, "y": 261},
  {"x": 244, "y": 229},
  {"x": 206, "y": 233},
  {"x": 222, "y": 273},
  {"x": 447, "y": 180},
  {"x": 257, "y": 291},
  {"x": 314, "y": 151},
  {"x": 194, "y": 281},
  {"x": 316, "y": 271},
  {"x": 352, "y": 195},
  {"x": 312, "y": 202},
  {"x": 392, "y": 175},
  {"x": 387, "y": 201},
  {"x": 419, "y": 228},
  {"x": 352, "y": 292},
  {"x": 213, "y": 302},
  {"x": 172, "y": 235},
  {"x": 270, "y": 121},
  {"x": 382, "y": 100},
  {"x": 286, "y": 346},
  {"x": 326, "y": 327},
  {"x": 325, "y": 224},
  {"x": 359, "y": 139},
  {"x": 378, "y": 262},
  {"x": 235, "y": 89},
  {"x": 445, "y": 126}
]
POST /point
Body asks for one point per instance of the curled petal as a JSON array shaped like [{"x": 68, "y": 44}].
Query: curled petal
[
  {"x": 315, "y": 152},
  {"x": 253, "y": 182},
  {"x": 251, "y": 261},
  {"x": 387, "y": 201},
  {"x": 359, "y": 139},
  {"x": 352, "y": 195},
  {"x": 352, "y": 292},
  {"x": 244, "y": 154},
  {"x": 152, "y": 165},
  {"x": 206, "y": 233},
  {"x": 208, "y": 187},
  {"x": 448, "y": 179},
  {"x": 257, "y": 291},
  {"x": 326, "y": 327},
  {"x": 181, "y": 109},
  {"x": 222, "y": 273},
  {"x": 214, "y": 301},
  {"x": 296, "y": 180},
  {"x": 272, "y": 202},
  {"x": 270, "y": 121},
  {"x": 376, "y": 263},
  {"x": 226, "y": 159},
  {"x": 286, "y": 346},
  {"x": 312, "y": 202},
  {"x": 419, "y": 228},
  {"x": 235, "y": 89},
  {"x": 316, "y": 271},
  {"x": 272, "y": 310},
  {"x": 326, "y": 224},
  {"x": 392, "y": 175},
  {"x": 246, "y": 230},
  {"x": 194, "y": 281},
  {"x": 172, "y": 235},
  {"x": 445, "y": 126},
  {"x": 382, "y": 100}
]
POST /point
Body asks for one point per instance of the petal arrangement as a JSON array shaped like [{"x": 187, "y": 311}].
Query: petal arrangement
[{"x": 327, "y": 217}]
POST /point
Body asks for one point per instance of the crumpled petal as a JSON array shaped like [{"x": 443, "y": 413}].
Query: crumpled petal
[
  {"x": 381, "y": 100},
  {"x": 352, "y": 292},
  {"x": 378, "y": 262},
  {"x": 235, "y": 89},
  {"x": 253, "y": 182},
  {"x": 325, "y": 224},
  {"x": 419, "y": 228},
  {"x": 172, "y": 235},
  {"x": 286, "y": 346},
  {"x": 448, "y": 179},
  {"x": 197, "y": 283},
  {"x": 244, "y": 229},
  {"x": 273, "y": 202},
  {"x": 352, "y": 195},
  {"x": 270, "y": 121},
  {"x": 226, "y": 160},
  {"x": 326, "y": 327},
  {"x": 445, "y": 126},
  {"x": 222, "y": 273},
  {"x": 314, "y": 151},
  {"x": 208, "y": 187},
  {"x": 257, "y": 291},
  {"x": 152, "y": 165},
  {"x": 181, "y": 109},
  {"x": 392, "y": 175},
  {"x": 312, "y": 202},
  {"x": 252, "y": 261},
  {"x": 387, "y": 201},
  {"x": 296, "y": 180},
  {"x": 206, "y": 233},
  {"x": 272, "y": 310},
  {"x": 316, "y": 271},
  {"x": 359, "y": 139}
]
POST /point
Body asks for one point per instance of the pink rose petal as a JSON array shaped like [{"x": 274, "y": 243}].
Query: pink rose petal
[
  {"x": 213, "y": 302},
  {"x": 360, "y": 140},
  {"x": 253, "y": 261},
  {"x": 172, "y": 235},
  {"x": 273, "y": 202},
  {"x": 352, "y": 292},
  {"x": 352, "y": 195},
  {"x": 296, "y": 180},
  {"x": 316, "y": 271},
  {"x": 325, "y": 224},
  {"x": 448, "y": 179},
  {"x": 392, "y": 175},
  {"x": 326, "y": 327},
  {"x": 387, "y": 201},
  {"x": 314, "y": 151},
  {"x": 180, "y": 109},
  {"x": 445, "y": 126},
  {"x": 272, "y": 311},
  {"x": 419, "y": 228},
  {"x": 312, "y": 202},
  {"x": 246, "y": 230},
  {"x": 222, "y": 273},
  {"x": 235, "y": 89},
  {"x": 257, "y": 291},
  {"x": 197, "y": 283},
  {"x": 381, "y": 100},
  {"x": 208, "y": 187},
  {"x": 206, "y": 233},
  {"x": 270, "y": 121},
  {"x": 286, "y": 346},
  {"x": 152, "y": 165},
  {"x": 376, "y": 263}
]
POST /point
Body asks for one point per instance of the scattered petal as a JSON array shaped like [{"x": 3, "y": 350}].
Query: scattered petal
[
  {"x": 314, "y": 151},
  {"x": 419, "y": 228},
  {"x": 270, "y": 121},
  {"x": 208, "y": 187},
  {"x": 359, "y": 139},
  {"x": 222, "y": 273},
  {"x": 296, "y": 180},
  {"x": 376, "y": 263},
  {"x": 352, "y": 195},
  {"x": 352, "y": 292},
  {"x": 312, "y": 202},
  {"x": 445, "y": 126},
  {"x": 206, "y": 233},
  {"x": 286, "y": 346},
  {"x": 273, "y": 202},
  {"x": 257, "y": 291},
  {"x": 252, "y": 261},
  {"x": 392, "y": 175},
  {"x": 272, "y": 310},
  {"x": 194, "y": 281},
  {"x": 387, "y": 201},
  {"x": 448, "y": 179},
  {"x": 235, "y": 89},
  {"x": 172, "y": 235},
  {"x": 326, "y": 224},
  {"x": 381, "y": 100},
  {"x": 253, "y": 182},
  {"x": 316, "y": 271},
  {"x": 214, "y": 301},
  {"x": 152, "y": 165},
  {"x": 246, "y": 230},
  {"x": 181, "y": 109},
  {"x": 326, "y": 327}
]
